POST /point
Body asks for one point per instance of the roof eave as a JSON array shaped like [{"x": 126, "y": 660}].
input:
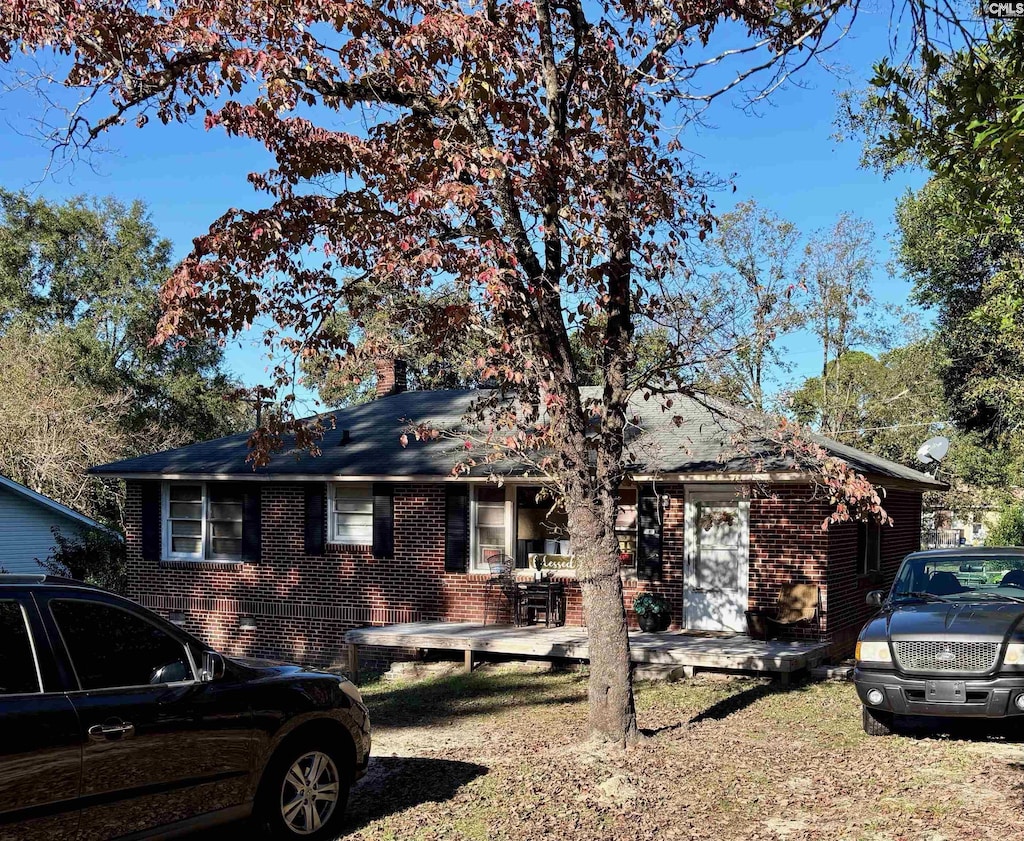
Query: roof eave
[{"x": 53, "y": 505}]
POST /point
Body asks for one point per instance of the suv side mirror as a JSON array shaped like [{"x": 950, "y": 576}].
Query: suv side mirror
[
  {"x": 212, "y": 668},
  {"x": 875, "y": 598}
]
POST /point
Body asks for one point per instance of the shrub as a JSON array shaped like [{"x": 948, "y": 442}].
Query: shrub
[
  {"x": 1009, "y": 528},
  {"x": 97, "y": 557}
]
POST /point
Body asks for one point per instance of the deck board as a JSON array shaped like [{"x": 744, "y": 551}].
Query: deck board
[{"x": 732, "y": 651}]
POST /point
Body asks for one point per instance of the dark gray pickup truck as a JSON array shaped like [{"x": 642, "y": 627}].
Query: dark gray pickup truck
[{"x": 948, "y": 640}]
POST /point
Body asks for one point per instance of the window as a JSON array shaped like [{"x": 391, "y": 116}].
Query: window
[
  {"x": 18, "y": 673},
  {"x": 203, "y": 521},
  {"x": 869, "y": 546},
  {"x": 224, "y": 524},
  {"x": 185, "y": 520},
  {"x": 625, "y": 526},
  {"x": 110, "y": 647},
  {"x": 489, "y": 525},
  {"x": 351, "y": 515}
]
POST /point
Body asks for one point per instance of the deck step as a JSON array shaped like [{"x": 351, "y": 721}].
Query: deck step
[
  {"x": 655, "y": 671},
  {"x": 840, "y": 672}
]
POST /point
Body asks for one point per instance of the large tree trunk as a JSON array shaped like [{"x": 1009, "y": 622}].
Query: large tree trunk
[{"x": 612, "y": 714}]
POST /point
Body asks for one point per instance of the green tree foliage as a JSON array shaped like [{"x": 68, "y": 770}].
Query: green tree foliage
[
  {"x": 958, "y": 110},
  {"x": 890, "y": 404},
  {"x": 79, "y": 304},
  {"x": 1009, "y": 528},
  {"x": 881, "y": 404},
  {"x": 91, "y": 271},
  {"x": 97, "y": 557},
  {"x": 975, "y": 284}
]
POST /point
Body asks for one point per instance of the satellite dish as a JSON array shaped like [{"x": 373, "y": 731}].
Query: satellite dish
[{"x": 933, "y": 450}]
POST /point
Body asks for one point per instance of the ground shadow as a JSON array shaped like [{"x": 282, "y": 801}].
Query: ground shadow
[
  {"x": 391, "y": 784},
  {"x": 1007, "y": 731},
  {"x": 732, "y": 704},
  {"x": 463, "y": 695},
  {"x": 395, "y": 783}
]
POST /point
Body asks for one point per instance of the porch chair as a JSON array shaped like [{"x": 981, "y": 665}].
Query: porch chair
[
  {"x": 501, "y": 586},
  {"x": 799, "y": 605},
  {"x": 535, "y": 598}
]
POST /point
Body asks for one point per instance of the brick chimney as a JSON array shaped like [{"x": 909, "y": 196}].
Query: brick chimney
[{"x": 391, "y": 376}]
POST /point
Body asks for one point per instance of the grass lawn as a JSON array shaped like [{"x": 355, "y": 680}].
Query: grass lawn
[{"x": 501, "y": 754}]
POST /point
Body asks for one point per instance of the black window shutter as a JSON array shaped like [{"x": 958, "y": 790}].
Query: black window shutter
[
  {"x": 648, "y": 544},
  {"x": 151, "y": 515},
  {"x": 383, "y": 520},
  {"x": 251, "y": 522},
  {"x": 456, "y": 534},
  {"x": 316, "y": 518}
]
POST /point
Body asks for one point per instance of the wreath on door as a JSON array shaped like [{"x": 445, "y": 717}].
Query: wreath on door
[{"x": 711, "y": 518}]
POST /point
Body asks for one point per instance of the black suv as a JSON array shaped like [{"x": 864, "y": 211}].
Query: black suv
[
  {"x": 948, "y": 641},
  {"x": 115, "y": 723}
]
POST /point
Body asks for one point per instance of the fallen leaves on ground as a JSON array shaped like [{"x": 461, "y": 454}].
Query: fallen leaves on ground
[{"x": 502, "y": 754}]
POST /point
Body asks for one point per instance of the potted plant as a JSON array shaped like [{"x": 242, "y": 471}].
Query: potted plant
[{"x": 653, "y": 612}]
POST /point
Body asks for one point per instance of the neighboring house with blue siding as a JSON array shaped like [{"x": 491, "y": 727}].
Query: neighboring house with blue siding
[{"x": 26, "y": 522}]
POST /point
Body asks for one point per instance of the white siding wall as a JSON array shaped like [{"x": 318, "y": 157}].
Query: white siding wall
[{"x": 25, "y": 532}]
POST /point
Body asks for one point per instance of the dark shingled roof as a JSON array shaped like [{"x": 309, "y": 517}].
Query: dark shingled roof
[{"x": 702, "y": 441}]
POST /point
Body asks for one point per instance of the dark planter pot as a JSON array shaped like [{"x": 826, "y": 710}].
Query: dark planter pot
[
  {"x": 757, "y": 626},
  {"x": 653, "y": 622}
]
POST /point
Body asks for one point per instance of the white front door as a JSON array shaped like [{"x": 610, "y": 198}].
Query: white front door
[{"x": 717, "y": 546}]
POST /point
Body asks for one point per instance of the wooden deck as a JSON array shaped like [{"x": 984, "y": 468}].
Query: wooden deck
[{"x": 687, "y": 651}]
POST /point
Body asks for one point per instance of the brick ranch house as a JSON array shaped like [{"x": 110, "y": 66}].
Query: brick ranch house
[{"x": 282, "y": 560}]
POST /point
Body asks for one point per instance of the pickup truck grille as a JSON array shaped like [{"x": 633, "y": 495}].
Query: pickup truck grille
[{"x": 926, "y": 656}]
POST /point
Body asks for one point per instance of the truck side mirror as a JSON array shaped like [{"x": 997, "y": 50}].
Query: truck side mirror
[
  {"x": 213, "y": 666},
  {"x": 875, "y": 598}
]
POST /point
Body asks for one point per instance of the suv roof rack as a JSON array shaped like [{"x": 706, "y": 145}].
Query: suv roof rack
[{"x": 22, "y": 578}]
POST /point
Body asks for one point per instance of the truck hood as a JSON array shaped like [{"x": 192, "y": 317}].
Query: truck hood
[{"x": 989, "y": 621}]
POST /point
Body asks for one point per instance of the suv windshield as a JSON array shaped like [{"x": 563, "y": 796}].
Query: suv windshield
[{"x": 960, "y": 578}]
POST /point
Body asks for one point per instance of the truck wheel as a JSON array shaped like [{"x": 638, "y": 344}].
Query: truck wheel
[
  {"x": 876, "y": 722},
  {"x": 304, "y": 792}
]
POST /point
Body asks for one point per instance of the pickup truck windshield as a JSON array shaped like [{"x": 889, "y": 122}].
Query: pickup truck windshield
[{"x": 963, "y": 578}]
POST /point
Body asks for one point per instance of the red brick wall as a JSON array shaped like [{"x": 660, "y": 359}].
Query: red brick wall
[
  {"x": 788, "y": 546},
  {"x": 847, "y": 589},
  {"x": 303, "y": 605}
]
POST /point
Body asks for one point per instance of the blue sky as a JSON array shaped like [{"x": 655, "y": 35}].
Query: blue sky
[{"x": 784, "y": 157}]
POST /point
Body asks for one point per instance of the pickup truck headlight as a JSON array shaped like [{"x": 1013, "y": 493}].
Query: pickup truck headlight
[
  {"x": 1014, "y": 655},
  {"x": 873, "y": 652}
]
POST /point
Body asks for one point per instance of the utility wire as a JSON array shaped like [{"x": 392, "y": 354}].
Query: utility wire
[{"x": 894, "y": 426}]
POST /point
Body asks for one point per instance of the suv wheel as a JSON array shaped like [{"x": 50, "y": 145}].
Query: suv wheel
[
  {"x": 876, "y": 722},
  {"x": 304, "y": 792}
]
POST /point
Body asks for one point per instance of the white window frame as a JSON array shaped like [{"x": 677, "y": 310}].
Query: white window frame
[
  {"x": 165, "y": 527},
  {"x": 332, "y": 528},
  {"x": 478, "y": 564}
]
